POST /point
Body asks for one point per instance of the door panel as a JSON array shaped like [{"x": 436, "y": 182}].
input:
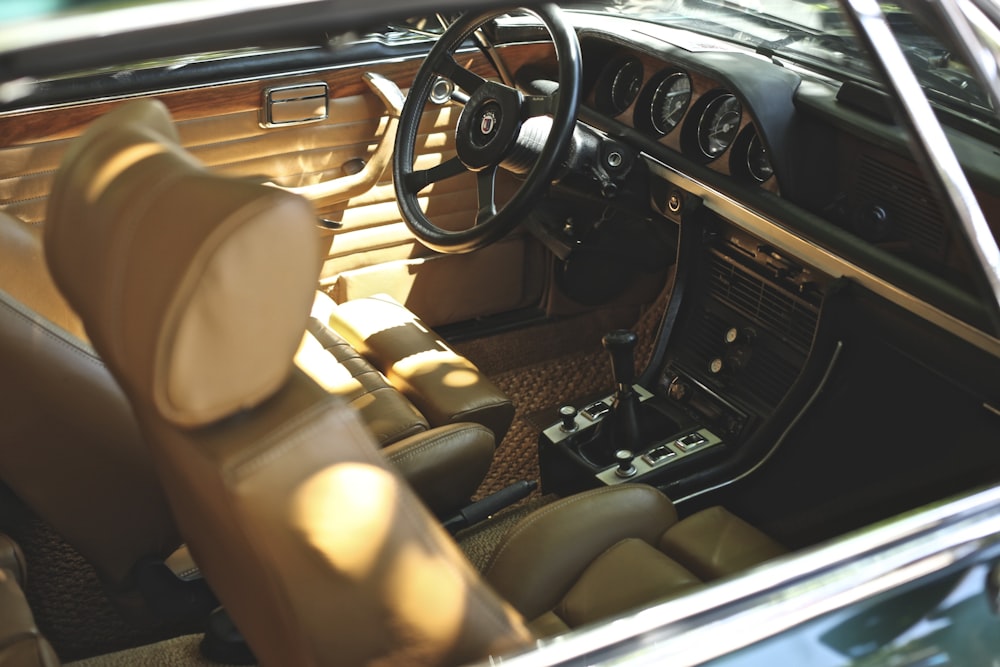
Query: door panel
[{"x": 373, "y": 251}]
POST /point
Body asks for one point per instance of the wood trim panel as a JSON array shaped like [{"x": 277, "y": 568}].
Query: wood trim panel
[{"x": 219, "y": 125}]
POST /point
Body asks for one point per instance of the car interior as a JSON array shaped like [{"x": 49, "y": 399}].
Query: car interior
[{"x": 301, "y": 369}]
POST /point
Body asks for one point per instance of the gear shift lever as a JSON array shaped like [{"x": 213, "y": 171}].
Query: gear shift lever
[{"x": 623, "y": 418}]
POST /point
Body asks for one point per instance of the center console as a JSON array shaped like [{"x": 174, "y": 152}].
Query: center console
[{"x": 725, "y": 363}]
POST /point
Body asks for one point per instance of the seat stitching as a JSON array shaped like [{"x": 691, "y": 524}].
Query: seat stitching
[
  {"x": 32, "y": 320},
  {"x": 433, "y": 441}
]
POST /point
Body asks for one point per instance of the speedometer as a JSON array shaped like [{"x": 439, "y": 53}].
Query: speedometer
[
  {"x": 670, "y": 101},
  {"x": 718, "y": 125}
]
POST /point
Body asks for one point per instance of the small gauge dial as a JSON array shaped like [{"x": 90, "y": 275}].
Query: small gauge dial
[
  {"x": 718, "y": 125},
  {"x": 625, "y": 84},
  {"x": 758, "y": 162},
  {"x": 670, "y": 101},
  {"x": 619, "y": 85}
]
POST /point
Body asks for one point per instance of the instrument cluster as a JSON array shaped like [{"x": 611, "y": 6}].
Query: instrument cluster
[{"x": 683, "y": 110}]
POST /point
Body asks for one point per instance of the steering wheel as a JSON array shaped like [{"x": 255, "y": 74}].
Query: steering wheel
[{"x": 491, "y": 132}]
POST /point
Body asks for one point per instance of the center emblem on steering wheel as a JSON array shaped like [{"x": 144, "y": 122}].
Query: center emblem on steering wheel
[{"x": 488, "y": 122}]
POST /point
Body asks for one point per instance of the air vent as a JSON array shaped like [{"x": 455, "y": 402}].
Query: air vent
[
  {"x": 784, "y": 315},
  {"x": 911, "y": 211}
]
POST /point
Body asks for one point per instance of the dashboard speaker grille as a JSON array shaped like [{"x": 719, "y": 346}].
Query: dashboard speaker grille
[{"x": 915, "y": 216}]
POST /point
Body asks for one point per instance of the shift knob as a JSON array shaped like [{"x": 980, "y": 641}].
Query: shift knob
[{"x": 620, "y": 345}]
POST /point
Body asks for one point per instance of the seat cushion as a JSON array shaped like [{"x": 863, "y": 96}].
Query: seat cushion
[
  {"x": 715, "y": 543},
  {"x": 629, "y": 575},
  {"x": 337, "y": 367},
  {"x": 445, "y": 386}
]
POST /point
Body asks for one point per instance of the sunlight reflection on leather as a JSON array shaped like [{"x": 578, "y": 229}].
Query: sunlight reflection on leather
[
  {"x": 118, "y": 164},
  {"x": 434, "y": 603},
  {"x": 324, "y": 369},
  {"x": 434, "y": 362},
  {"x": 346, "y": 512}
]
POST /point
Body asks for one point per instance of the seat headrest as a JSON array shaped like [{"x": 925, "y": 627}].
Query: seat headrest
[{"x": 195, "y": 288}]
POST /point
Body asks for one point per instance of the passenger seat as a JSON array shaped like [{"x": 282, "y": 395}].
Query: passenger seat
[{"x": 70, "y": 447}]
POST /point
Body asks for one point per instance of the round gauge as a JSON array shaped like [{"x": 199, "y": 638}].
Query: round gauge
[
  {"x": 670, "y": 101},
  {"x": 758, "y": 162},
  {"x": 718, "y": 125},
  {"x": 626, "y": 80}
]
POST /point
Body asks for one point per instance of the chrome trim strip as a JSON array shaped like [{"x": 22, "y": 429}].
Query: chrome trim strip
[
  {"x": 228, "y": 82},
  {"x": 820, "y": 258},
  {"x": 734, "y": 613}
]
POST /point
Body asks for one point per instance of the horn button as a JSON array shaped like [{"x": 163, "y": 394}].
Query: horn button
[{"x": 488, "y": 126}]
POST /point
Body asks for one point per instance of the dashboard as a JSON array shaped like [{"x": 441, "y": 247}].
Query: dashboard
[
  {"x": 820, "y": 158},
  {"x": 680, "y": 108},
  {"x": 806, "y": 227}
]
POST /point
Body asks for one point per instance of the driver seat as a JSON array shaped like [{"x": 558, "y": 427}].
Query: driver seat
[{"x": 319, "y": 552}]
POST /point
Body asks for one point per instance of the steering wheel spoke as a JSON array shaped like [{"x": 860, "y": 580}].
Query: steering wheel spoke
[
  {"x": 489, "y": 125},
  {"x": 465, "y": 79},
  {"x": 415, "y": 181},
  {"x": 538, "y": 105},
  {"x": 486, "y": 186}
]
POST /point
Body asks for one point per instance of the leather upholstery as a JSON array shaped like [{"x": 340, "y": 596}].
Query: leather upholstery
[
  {"x": 445, "y": 386},
  {"x": 604, "y": 552},
  {"x": 69, "y": 445},
  {"x": 338, "y": 367},
  {"x": 128, "y": 167},
  {"x": 545, "y": 554},
  {"x": 714, "y": 543},
  {"x": 319, "y": 552},
  {"x": 21, "y": 644},
  {"x": 630, "y": 574},
  {"x": 444, "y": 465}
]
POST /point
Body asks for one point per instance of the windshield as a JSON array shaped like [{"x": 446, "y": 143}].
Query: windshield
[{"x": 816, "y": 33}]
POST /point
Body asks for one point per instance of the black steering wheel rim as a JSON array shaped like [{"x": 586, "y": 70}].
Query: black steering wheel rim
[{"x": 491, "y": 225}]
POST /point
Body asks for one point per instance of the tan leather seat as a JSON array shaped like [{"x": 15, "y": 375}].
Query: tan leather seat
[
  {"x": 70, "y": 447},
  {"x": 444, "y": 385},
  {"x": 317, "y": 549}
]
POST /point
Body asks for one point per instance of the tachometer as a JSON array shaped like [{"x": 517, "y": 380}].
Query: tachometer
[
  {"x": 670, "y": 101},
  {"x": 718, "y": 125}
]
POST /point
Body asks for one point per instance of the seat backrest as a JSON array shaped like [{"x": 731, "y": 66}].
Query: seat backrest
[
  {"x": 196, "y": 289},
  {"x": 69, "y": 444}
]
